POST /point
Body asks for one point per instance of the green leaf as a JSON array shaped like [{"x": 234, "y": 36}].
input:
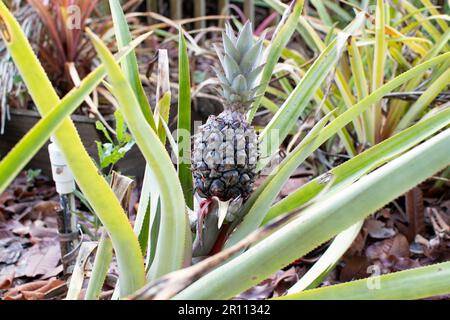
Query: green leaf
[
  {"x": 130, "y": 65},
  {"x": 32, "y": 175},
  {"x": 414, "y": 284},
  {"x": 184, "y": 123},
  {"x": 93, "y": 185},
  {"x": 257, "y": 206},
  {"x": 425, "y": 100},
  {"x": 170, "y": 251},
  {"x": 322, "y": 12},
  {"x": 361, "y": 84},
  {"x": 145, "y": 226},
  {"x": 355, "y": 168},
  {"x": 335, "y": 212},
  {"x": 338, "y": 10},
  {"x": 164, "y": 112},
  {"x": 121, "y": 129},
  {"x": 148, "y": 218},
  {"x": 282, "y": 123},
  {"x": 101, "y": 127},
  {"x": 102, "y": 262},
  {"x": 378, "y": 66},
  {"x": 278, "y": 43}
]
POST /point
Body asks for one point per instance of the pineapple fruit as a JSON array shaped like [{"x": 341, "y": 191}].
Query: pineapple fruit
[{"x": 225, "y": 150}]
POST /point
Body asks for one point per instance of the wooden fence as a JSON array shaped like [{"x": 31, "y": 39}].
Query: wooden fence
[{"x": 176, "y": 8}]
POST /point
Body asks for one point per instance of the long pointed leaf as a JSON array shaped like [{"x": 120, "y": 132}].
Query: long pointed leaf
[
  {"x": 170, "y": 251},
  {"x": 378, "y": 66},
  {"x": 419, "y": 283},
  {"x": 34, "y": 140},
  {"x": 275, "y": 50},
  {"x": 130, "y": 66},
  {"x": 323, "y": 220},
  {"x": 289, "y": 113},
  {"x": 100, "y": 269},
  {"x": 93, "y": 185},
  {"x": 184, "y": 123},
  {"x": 258, "y": 206},
  {"x": 355, "y": 168}
]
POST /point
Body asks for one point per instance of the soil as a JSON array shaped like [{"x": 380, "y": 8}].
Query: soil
[{"x": 413, "y": 231}]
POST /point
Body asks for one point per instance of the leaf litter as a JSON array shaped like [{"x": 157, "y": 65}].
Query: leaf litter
[
  {"x": 29, "y": 245},
  {"x": 412, "y": 232}
]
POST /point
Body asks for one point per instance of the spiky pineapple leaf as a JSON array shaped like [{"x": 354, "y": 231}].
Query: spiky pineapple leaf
[
  {"x": 230, "y": 33},
  {"x": 230, "y": 48},
  {"x": 251, "y": 58},
  {"x": 239, "y": 84},
  {"x": 257, "y": 207},
  {"x": 355, "y": 168},
  {"x": 245, "y": 38},
  {"x": 413, "y": 284},
  {"x": 275, "y": 49},
  {"x": 322, "y": 220},
  {"x": 170, "y": 252},
  {"x": 130, "y": 65},
  {"x": 184, "y": 123},
  {"x": 231, "y": 67},
  {"x": 94, "y": 186}
]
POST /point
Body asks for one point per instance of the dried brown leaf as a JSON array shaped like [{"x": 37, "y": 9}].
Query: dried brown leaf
[
  {"x": 39, "y": 260},
  {"x": 415, "y": 212},
  {"x": 34, "y": 290},
  {"x": 397, "y": 246},
  {"x": 6, "y": 197},
  {"x": 44, "y": 209},
  {"x": 7, "y": 280},
  {"x": 354, "y": 268},
  {"x": 377, "y": 229},
  {"x": 10, "y": 251}
]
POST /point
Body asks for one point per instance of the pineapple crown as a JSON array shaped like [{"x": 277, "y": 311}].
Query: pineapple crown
[{"x": 242, "y": 65}]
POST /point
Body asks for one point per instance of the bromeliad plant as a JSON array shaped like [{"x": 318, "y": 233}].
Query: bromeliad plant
[
  {"x": 261, "y": 237},
  {"x": 396, "y": 37},
  {"x": 226, "y": 149}
]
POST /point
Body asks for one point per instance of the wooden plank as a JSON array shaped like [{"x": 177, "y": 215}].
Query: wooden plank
[
  {"x": 23, "y": 120},
  {"x": 249, "y": 10},
  {"x": 152, "y": 6},
  {"x": 176, "y": 9},
  {"x": 200, "y": 11},
  {"x": 223, "y": 6},
  {"x": 223, "y": 10}
]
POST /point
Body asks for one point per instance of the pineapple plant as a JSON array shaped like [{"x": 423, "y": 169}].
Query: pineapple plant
[
  {"x": 226, "y": 148},
  {"x": 359, "y": 186}
]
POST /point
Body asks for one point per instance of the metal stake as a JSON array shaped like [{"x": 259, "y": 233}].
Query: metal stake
[{"x": 67, "y": 222}]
